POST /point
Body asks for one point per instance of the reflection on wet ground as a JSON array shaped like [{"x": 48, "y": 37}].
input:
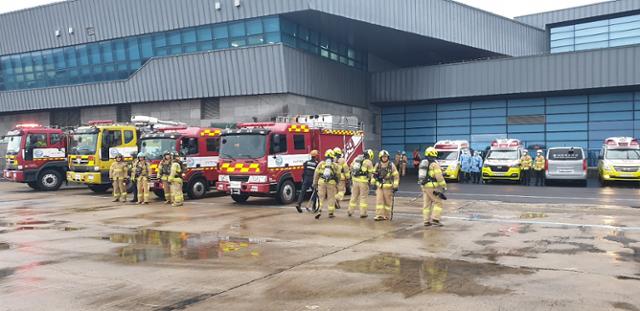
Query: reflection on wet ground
[
  {"x": 4, "y": 246},
  {"x": 624, "y": 306},
  {"x": 411, "y": 276},
  {"x": 532, "y": 215},
  {"x": 560, "y": 245},
  {"x": 33, "y": 224},
  {"x": 153, "y": 245}
]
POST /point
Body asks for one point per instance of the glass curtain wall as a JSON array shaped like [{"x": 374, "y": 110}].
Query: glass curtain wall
[{"x": 605, "y": 33}]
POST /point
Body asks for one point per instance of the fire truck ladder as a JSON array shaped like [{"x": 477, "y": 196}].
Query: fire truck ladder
[{"x": 325, "y": 121}]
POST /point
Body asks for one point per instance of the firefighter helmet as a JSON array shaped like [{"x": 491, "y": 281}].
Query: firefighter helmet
[
  {"x": 369, "y": 154},
  {"x": 337, "y": 151},
  {"x": 539, "y": 151},
  {"x": 431, "y": 152},
  {"x": 141, "y": 155},
  {"x": 168, "y": 153},
  {"x": 383, "y": 153},
  {"x": 119, "y": 156},
  {"x": 329, "y": 154}
]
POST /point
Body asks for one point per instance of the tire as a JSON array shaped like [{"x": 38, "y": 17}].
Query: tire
[
  {"x": 584, "y": 183},
  {"x": 49, "y": 180},
  {"x": 99, "y": 188},
  {"x": 197, "y": 188},
  {"x": 159, "y": 194},
  {"x": 240, "y": 198},
  {"x": 603, "y": 183},
  {"x": 286, "y": 192},
  {"x": 33, "y": 186}
]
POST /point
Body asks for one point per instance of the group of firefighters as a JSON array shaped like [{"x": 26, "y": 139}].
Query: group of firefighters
[
  {"x": 139, "y": 172},
  {"x": 527, "y": 163},
  {"x": 329, "y": 178}
]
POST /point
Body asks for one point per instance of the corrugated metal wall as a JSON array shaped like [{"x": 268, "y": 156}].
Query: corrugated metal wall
[
  {"x": 313, "y": 76},
  {"x": 443, "y": 19},
  {"x": 610, "y": 7},
  {"x": 236, "y": 72},
  {"x": 612, "y": 67}
]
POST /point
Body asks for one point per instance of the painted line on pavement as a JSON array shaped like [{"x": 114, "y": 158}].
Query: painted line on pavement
[
  {"x": 524, "y": 196},
  {"x": 548, "y": 223}
]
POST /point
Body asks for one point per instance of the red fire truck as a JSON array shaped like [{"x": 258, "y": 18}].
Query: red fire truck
[
  {"x": 200, "y": 147},
  {"x": 36, "y": 155},
  {"x": 265, "y": 159}
]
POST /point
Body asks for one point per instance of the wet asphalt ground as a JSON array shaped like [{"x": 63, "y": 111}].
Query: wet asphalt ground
[{"x": 502, "y": 248}]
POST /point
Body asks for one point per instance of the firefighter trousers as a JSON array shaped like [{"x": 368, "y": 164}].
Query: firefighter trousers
[
  {"x": 359, "y": 197},
  {"x": 166, "y": 188},
  {"x": 119, "y": 189},
  {"x": 176, "y": 192},
  {"x": 431, "y": 205},
  {"x": 143, "y": 189},
  {"x": 327, "y": 194},
  {"x": 342, "y": 189},
  {"x": 526, "y": 177},
  {"x": 384, "y": 198}
]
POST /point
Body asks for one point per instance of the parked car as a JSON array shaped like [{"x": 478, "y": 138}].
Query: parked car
[{"x": 566, "y": 164}]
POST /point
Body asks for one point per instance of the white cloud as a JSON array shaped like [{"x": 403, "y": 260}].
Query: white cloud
[{"x": 509, "y": 8}]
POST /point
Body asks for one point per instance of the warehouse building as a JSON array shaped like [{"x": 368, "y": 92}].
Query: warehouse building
[{"x": 415, "y": 71}]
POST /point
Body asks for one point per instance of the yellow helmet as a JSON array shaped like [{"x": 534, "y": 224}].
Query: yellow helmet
[
  {"x": 337, "y": 151},
  {"x": 329, "y": 154},
  {"x": 370, "y": 153},
  {"x": 383, "y": 153},
  {"x": 431, "y": 152}
]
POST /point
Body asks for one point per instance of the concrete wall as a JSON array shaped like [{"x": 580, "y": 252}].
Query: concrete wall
[
  {"x": 98, "y": 113},
  {"x": 187, "y": 111}
]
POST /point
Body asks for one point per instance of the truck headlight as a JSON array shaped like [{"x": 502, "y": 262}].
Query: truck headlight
[
  {"x": 452, "y": 167},
  {"x": 224, "y": 178},
  {"x": 258, "y": 179},
  {"x": 96, "y": 168},
  {"x": 607, "y": 167}
]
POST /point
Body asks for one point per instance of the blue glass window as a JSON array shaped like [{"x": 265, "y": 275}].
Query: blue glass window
[{"x": 597, "y": 34}]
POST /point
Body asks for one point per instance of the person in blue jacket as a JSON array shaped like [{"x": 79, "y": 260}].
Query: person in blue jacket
[
  {"x": 465, "y": 165},
  {"x": 476, "y": 167}
]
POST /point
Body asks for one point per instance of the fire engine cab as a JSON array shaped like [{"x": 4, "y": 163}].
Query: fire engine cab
[
  {"x": 619, "y": 160},
  {"x": 503, "y": 160},
  {"x": 36, "y": 156},
  {"x": 449, "y": 152},
  {"x": 266, "y": 159},
  {"x": 200, "y": 148}
]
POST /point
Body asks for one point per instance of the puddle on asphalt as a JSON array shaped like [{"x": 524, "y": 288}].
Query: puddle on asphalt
[
  {"x": 532, "y": 215},
  {"x": 485, "y": 242},
  {"x": 153, "y": 245},
  {"x": 32, "y": 224},
  {"x": 412, "y": 277},
  {"x": 4, "y": 246},
  {"x": 561, "y": 246},
  {"x": 6, "y": 272}
]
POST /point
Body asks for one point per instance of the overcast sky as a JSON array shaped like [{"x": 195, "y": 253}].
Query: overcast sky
[{"x": 509, "y": 8}]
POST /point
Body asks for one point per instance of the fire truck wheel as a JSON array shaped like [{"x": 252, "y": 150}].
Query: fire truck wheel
[
  {"x": 286, "y": 192},
  {"x": 159, "y": 194},
  {"x": 49, "y": 180},
  {"x": 99, "y": 188},
  {"x": 240, "y": 198},
  {"x": 197, "y": 188},
  {"x": 33, "y": 185}
]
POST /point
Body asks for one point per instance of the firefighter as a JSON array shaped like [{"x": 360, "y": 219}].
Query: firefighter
[
  {"x": 465, "y": 165},
  {"x": 326, "y": 180},
  {"x": 404, "y": 161},
  {"x": 416, "y": 158},
  {"x": 397, "y": 159},
  {"x": 387, "y": 180},
  {"x": 361, "y": 170},
  {"x": 476, "y": 167},
  {"x": 140, "y": 173},
  {"x": 538, "y": 167},
  {"x": 433, "y": 187},
  {"x": 118, "y": 175},
  {"x": 175, "y": 177},
  {"x": 525, "y": 166},
  {"x": 345, "y": 175},
  {"x": 308, "y": 172},
  {"x": 164, "y": 169}
]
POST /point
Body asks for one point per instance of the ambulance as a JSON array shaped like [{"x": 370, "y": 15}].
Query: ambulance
[
  {"x": 36, "y": 155},
  {"x": 266, "y": 159},
  {"x": 449, "y": 153},
  {"x": 619, "y": 160},
  {"x": 503, "y": 160},
  {"x": 199, "y": 147}
]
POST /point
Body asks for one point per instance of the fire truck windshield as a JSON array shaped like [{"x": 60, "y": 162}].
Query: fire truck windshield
[
  {"x": 623, "y": 154},
  {"x": 503, "y": 155},
  {"x": 243, "y": 146},
  {"x": 83, "y": 144},
  {"x": 447, "y": 155},
  {"x": 154, "y": 148},
  {"x": 13, "y": 146}
]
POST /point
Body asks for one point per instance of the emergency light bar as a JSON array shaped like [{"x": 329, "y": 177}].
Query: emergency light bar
[
  {"x": 27, "y": 125},
  {"x": 505, "y": 143},
  {"x": 622, "y": 142},
  {"x": 98, "y": 122}
]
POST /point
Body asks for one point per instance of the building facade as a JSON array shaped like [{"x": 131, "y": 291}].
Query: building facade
[{"x": 415, "y": 71}]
